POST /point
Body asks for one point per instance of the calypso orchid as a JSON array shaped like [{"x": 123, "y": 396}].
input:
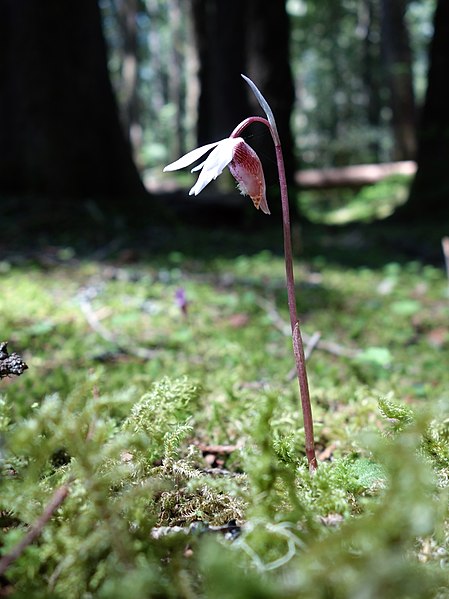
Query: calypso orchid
[
  {"x": 242, "y": 160},
  {"x": 246, "y": 168}
]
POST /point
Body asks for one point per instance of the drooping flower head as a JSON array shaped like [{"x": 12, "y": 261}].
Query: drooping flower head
[{"x": 242, "y": 161}]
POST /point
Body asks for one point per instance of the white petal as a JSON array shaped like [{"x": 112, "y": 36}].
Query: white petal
[
  {"x": 215, "y": 163},
  {"x": 190, "y": 157},
  {"x": 198, "y": 167}
]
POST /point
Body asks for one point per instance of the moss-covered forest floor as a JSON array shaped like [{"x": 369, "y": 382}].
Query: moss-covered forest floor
[{"x": 159, "y": 393}]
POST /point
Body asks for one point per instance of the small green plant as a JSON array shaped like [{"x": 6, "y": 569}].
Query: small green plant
[
  {"x": 88, "y": 493},
  {"x": 246, "y": 168},
  {"x": 363, "y": 525}
]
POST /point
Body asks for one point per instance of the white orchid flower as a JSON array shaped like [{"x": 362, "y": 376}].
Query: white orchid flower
[{"x": 242, "y": 160}]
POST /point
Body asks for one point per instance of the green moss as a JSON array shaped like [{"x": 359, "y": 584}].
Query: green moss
[{"x": 139, "y": 439}]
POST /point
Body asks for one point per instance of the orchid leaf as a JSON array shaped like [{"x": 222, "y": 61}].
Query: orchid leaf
[{"x": 265, "y": 106}]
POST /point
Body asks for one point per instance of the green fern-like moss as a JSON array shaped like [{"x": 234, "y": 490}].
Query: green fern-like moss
[
  {"x": 123, "y": 481},
  {"x": 370, "y": 523},
  {"x": 398, "y": 414}
]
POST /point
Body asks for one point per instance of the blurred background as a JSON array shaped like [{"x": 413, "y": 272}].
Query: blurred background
[
  {"x": 95, "y": 98},
  {"x": 155, "y": 325}
]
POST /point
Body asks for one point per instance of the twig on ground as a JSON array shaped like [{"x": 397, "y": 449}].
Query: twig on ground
[
  {"x": 275, "y": 317},
  {"x": 231, "y": 530},
  {"x": 35, "y": 530},
  {"x": 125, "y": 348},
  {"x": 311, "y": 341},
  {"x": 224, "y": 449},
  {"x": 327, "y": 452},
  {"x": 337, "y": 349},
  {"x": 10, "y": 363}
]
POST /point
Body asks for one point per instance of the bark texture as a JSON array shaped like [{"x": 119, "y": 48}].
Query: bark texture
[{"x": 60, "y": 131}]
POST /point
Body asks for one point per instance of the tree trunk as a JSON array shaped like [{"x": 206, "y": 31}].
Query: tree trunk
[
  {"x": 127, "y": 13},
  {"x": 398, "y": 62},
  {"x": 368, "y": 28},
  {"x": 268, "y": 64},
  {"x": 60, "y": 131},
  {"x": 429, "y": 196},
  {"x": 176, "y": 83},
  {"x": 220, "y": 30},
  {"x": 249, "y": 37}
]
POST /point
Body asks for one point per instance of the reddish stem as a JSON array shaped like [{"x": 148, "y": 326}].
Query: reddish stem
[
  {"x": 298, "y": 348},
  {"x": 251, "y": 119}
]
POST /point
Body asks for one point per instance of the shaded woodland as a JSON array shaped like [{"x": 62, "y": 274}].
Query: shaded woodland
[
  {"x": 350, "y": 83},
  {"x": 196, "y": 403}
]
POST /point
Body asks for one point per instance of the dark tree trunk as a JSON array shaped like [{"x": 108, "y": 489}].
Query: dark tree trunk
[
  {"x": 220, "y": 31},
  {"x": 268, "y": 64},
  {"x": 60, "y": 132},
  {"x": 398, "y": 63},
  {"x": 127, "y": 13},
  {"x": 429, "y": 196},
  {"x": 176, "y": 83},
  {"x": 249, "y": 37},
  {"x": 369, "y": 25}
]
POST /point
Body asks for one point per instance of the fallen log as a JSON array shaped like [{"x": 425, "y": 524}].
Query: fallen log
[{"x": 352, "y": 176}]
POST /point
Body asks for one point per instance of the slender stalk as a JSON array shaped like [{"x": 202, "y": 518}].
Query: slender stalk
[
  {"x": 248, "y": 121},
  {"x": 298, "y": 347}
]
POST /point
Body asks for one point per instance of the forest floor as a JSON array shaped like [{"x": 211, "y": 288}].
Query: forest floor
[{"x": 160, "y": 393}]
